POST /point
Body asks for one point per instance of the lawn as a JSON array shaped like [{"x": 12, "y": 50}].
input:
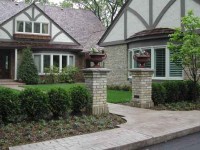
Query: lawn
[{"x": 114, "y": 96}]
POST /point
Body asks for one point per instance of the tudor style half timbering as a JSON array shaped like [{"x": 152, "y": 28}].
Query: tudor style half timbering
[
  {"x": 145, "y": 24},
  {"x": 58, "y": 37}
]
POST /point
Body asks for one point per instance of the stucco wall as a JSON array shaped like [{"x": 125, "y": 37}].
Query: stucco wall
[{"x": 117, "y": 62}]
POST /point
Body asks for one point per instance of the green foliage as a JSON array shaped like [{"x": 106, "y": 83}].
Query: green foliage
[
  {"x": 174, "y": 91},
  {"x": 68, "y": 75},
  {"x": 158, "y": 93},
  {"x": 193, "y": 91},
  {"x": 9, "y": 105},
  {"x": 120, "y": 87},
  {"x": 34, "y": 103},
  {"x": 27, "y": 71},
  {"x": 80, "y": 98},
  {"x": 185, "y": 46},
  {"x": 59, "y": 100}
]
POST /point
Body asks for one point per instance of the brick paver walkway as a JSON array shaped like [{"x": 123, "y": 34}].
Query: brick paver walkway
[{"x": 144, "y": 127}]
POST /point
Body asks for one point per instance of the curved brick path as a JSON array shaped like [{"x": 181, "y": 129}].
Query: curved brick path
[{"x": 144, "y": 127}]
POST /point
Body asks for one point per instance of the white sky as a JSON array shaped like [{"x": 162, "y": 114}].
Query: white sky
[{"x": 56, "y": 1}]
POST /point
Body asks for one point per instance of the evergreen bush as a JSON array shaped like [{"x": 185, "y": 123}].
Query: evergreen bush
[
  {"x": 59, "y": 100},
  {"x": 9, "y": 105},
  {"x": 80, "y": 98},
  {"x": 34, "y": 103},
  {"x": 27, "y": 71}
]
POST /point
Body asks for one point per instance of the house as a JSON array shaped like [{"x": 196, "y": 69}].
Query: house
[
  {"x": 58, "y": 37},
  {"x": 145, "y": 25}
]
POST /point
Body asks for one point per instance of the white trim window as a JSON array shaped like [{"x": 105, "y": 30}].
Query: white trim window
[
  {"x": 45, "y": 61},
  {"x": 164, "y": 68},
  {"x": 32, "y": 27}
]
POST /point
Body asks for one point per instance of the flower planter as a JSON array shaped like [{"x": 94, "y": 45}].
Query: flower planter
[
  {"x": 142, "y": 59},
  {"x": 96, "y": 59}
]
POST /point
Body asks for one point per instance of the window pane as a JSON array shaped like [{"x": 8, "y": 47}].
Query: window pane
[
  {"x": 37, "y": 60},
  {"x": 56, "y": 61},
  {"x": 64, "y": 61},
  {"x": 45, "y": 28},
  {"x": 130, "y": 59},
  {"x": 175, "y": 71},
  {"x": 47, "y": 60},
  {"x": 20, "y": 26},
  {"x": 160, "y": 62},
  {"x": 71, "y": 60},
  {"x": 36, "y": 27},
  {"x": 28, "y": 26}
]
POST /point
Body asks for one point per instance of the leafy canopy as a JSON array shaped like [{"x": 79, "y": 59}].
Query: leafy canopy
[{"x": 184, "y": 43}]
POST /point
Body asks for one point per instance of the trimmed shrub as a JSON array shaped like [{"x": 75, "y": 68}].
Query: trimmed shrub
[
  {"x": 193, "y": 91},
  {"x": 120, "y": 87},
  {"x": 34, "y": 103},
  {"x": 27, "y": 71},
  {"x": 68, "y": 74},
  {"x": 59, "y": 100},
  {"x": 158, "y": 93},
  {"x": 9, "y": 105},
  {"x": 80, "y": 98}
]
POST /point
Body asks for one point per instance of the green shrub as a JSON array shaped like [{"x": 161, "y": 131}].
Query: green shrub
[
  {"x": 59, "y": 100},
  {"x": 34, "y": 103},
  {"x": 120, "y": 87},
  {"x": 80, "y": 98},
  {"x": 193, "y": 91},
  {"x": 27, "y": 71},
  {"x": 68, "y": 74},
  {"x": 158, "y": 93},
  {"x": 9, "y": 105}
]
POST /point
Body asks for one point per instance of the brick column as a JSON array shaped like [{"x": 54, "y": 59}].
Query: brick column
[
  {"x": 142, "y": 87},
  {"x": 96, "y": 81}
]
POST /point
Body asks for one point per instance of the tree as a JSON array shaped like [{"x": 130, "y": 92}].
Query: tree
[
  {"x": 184, "y": 44},
  {"x": 27, "y": 71},
  {"x": 105, "y": 10}
]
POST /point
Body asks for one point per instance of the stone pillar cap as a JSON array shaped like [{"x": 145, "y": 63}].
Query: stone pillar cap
[
  {"x": 141, "y": 70},
  {"x": 96, "y": 70}
]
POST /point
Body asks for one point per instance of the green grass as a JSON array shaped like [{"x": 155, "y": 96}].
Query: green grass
[{"x": 114, "y": 96}]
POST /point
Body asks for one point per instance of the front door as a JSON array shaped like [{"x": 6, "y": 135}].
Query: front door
[{"x": 4, "y": 64}]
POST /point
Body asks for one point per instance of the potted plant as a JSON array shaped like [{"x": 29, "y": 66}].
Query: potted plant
[
  {"x": 96, "y": 56},
  {"x": 142, "y": 57}
]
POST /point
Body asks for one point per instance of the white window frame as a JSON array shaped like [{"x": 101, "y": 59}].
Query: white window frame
[
  {"x": 167, "y": 62},
  {"x": 32, "y": 28},
  {"x": 51, "y": 60}
]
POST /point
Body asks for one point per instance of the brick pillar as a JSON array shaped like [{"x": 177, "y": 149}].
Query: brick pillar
[
  {"x": 142, "y": 87},
  {"x": 96, "y": 81}
]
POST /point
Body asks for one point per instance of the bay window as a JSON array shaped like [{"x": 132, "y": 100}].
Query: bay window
[
  {"x": 160, "y": 61},
  {"x": 45, "y": 61}
]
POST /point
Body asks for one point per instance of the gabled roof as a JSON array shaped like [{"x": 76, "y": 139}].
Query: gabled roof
[
  {"x": 79, "y": 24},
  {"x": 114, "y": 21}
]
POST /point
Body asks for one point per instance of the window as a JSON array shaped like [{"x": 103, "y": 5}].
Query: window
[
  {"x": 37, "y": 61},
  {"x": 160, "y": 62},
  {"x": 20, "y": 26},
  {"x": 44, "y": 28},
  {"x": 36, "y": 27},
  {"x": 64, "y": 61},
  {"x": 28, "y": 27},
  {"x": 32, "y": 27},
  {"x": 46, "y": 61}
]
